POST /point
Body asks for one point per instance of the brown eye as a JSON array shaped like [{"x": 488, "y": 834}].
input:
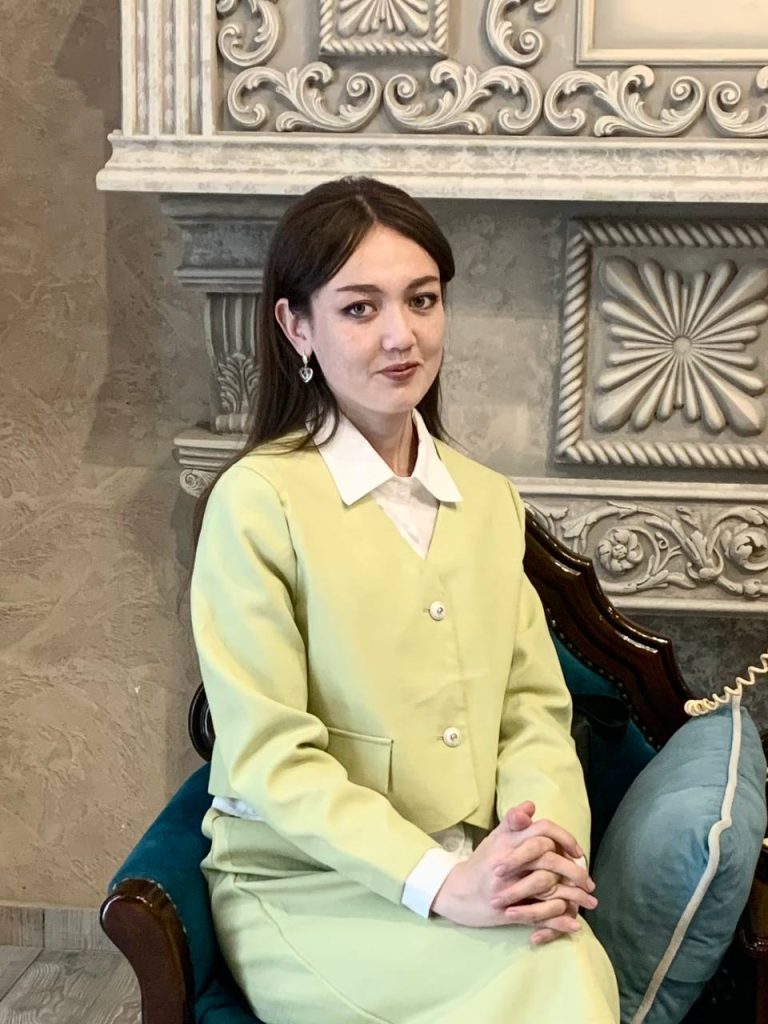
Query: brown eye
[{"x": 424, "y": 301}]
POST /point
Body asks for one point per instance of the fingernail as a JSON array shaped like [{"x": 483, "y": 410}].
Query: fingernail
[
  {"x": 591, "y": 885},
  {"x": 592, "y": 902}
]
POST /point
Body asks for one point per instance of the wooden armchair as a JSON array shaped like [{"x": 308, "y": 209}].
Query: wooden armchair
[{"x": 157, "y": 911}]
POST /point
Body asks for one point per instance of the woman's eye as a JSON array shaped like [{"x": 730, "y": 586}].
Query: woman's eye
[
  {"x": 357, "y": 309},
  {"x": 424, "y": 301}
]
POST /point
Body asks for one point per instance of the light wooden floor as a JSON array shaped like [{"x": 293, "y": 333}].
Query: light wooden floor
[
  {"x": 58, "y": 967},
  {"x": 49, "y": 986}
]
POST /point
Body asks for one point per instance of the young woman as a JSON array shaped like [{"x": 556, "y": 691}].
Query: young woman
[{"x": 399, "y": 821}]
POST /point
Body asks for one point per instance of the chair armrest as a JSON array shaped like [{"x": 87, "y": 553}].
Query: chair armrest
[
  {"x": 141, "y": 920},
  {"x": 158, "y": 910}
]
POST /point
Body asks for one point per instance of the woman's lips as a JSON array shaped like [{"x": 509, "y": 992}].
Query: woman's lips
[{"x": 394, "y": 374}]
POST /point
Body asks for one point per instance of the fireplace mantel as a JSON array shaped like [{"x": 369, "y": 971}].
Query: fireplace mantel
[{"x": 232, "y": 107}]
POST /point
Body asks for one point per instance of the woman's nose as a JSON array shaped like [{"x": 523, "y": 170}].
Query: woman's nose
[{"x": 397, "y": 330}]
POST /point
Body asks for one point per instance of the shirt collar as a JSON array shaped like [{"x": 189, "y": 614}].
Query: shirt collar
[{"x": 357, "y": 468}]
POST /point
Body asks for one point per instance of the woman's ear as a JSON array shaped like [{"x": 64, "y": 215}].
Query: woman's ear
[{"x": 294, "y": 327}]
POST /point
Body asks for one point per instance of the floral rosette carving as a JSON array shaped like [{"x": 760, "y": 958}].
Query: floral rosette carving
[
  {"x": 681, "y": 344},
  {"x": 650, "y": 550},
  {"x": 619, "y": 551}
]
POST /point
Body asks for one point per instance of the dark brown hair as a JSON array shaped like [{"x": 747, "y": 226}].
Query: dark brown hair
[{"x": 312, "y": 241}]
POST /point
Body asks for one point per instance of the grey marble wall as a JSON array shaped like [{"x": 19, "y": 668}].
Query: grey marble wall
[{"x": 102, "y": 362}]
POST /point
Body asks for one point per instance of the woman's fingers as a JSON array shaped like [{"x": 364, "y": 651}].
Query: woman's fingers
[
  {"x": 549, "y": 930},
  {"x": 536, "y": 885},
  {"x": 538, "y": 912},
  {"x": 526, "y": 857},
  {"x": 543, "y": 885},
  {"x": 518, "y": 818},
  {"x": 561, "y": 836}
]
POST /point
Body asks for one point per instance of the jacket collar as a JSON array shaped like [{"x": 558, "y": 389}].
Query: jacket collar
[{"x": 357, "y": 469}]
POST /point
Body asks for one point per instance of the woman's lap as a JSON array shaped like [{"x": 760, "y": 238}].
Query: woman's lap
[{"x": 311, "y": 947}]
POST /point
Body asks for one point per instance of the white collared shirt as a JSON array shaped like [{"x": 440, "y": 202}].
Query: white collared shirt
[{"x": 412, "y": 504}]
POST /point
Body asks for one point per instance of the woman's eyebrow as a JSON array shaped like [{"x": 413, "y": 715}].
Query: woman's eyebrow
[{"x": 373, "y": 289}]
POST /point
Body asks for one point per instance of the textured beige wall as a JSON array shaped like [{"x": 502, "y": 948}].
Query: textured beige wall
[{"x": 100, "y": 361}]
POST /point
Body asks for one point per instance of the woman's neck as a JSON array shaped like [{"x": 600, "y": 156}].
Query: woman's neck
[{"x": 397, "y": 443}]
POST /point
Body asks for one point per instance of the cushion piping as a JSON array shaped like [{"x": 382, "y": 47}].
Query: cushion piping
[{"x": 725, "y": 821}]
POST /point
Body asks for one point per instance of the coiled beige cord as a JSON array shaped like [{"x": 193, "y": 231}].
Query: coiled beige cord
[{"x": 694, "y": 708}]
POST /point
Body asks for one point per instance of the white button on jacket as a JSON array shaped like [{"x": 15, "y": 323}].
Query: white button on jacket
[
  {"x": 437, "y": 610},
  {"x": 452, "y": 736}
]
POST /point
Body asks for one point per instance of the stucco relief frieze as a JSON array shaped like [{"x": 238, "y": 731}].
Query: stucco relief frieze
[
  {"x": 445, "y": 97},
  {"x": 678, "y": 347},
  {"x": 638, "y": 549},
  {"x": 464, "y": 87},
  {"x": 621, "y": 92},
  {"x": 303, "y": 88}
]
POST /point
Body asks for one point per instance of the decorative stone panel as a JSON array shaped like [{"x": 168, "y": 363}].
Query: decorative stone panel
[
  {"x": 664, "y": 358},
  {"x": 370, "y": 28}
]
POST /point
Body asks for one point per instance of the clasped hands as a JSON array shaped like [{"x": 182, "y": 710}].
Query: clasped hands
[{"x": 524, "y": 872}]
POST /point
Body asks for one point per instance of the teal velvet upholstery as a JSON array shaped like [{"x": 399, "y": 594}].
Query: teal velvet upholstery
[
  {"x": 169, "y": 853},
  {"x": 676, "y": 864},
  {"x": 613, "y": 765}
]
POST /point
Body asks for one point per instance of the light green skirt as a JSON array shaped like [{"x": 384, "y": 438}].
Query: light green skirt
[{"x": 307, "y": 946}]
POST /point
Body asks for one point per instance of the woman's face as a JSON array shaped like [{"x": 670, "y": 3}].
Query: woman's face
[{"x": 382, "y": 308}]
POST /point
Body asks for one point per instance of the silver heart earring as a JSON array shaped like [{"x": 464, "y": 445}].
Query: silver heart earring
[{"x": 305, "y": 372}]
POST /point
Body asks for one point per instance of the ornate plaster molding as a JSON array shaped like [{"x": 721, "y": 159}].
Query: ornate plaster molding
[
  {"x": 467, "y": 88},
  {"x": 621, "y": 92},
  {"x": 303, "y": 89},
  {"x": 639, "y": 548},
  {"x": 520, "y": 48},
  {"x": 233, "y": 37},
  {"x": 719, "y": 311},
  {"x": 703, "y": 171},
  {"x": 722, "y": 102},
  {"x": 383, "y": 27},
  {"x": 230, "y": 325}
]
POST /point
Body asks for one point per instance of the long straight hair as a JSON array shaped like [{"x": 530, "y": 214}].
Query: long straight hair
[{"x": 312, "y": 241}]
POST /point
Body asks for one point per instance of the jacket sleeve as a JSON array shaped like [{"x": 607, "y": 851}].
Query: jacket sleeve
[
  {"x": 537, "y": 757},
  {"x": 254, "y": 667}
]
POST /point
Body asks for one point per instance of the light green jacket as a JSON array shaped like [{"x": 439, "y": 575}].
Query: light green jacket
[{"x": 331, "y": 684}]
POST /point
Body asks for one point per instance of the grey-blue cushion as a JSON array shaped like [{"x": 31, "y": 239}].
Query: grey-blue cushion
[{"x": 676, "y": 864}]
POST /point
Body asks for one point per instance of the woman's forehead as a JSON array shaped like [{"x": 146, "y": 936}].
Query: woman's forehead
[{"x": 385, "y": 259}]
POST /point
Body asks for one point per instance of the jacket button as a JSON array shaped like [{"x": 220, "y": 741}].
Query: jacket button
[
  {"x": 452, "y": 736},
  {"x": 437, "y": 610}
]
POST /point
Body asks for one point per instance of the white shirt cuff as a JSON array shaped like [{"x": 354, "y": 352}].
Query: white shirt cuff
[{"x": 423, "y": 883}]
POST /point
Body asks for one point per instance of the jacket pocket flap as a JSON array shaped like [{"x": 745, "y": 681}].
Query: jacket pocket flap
[{"x": 367, "y": 759}]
